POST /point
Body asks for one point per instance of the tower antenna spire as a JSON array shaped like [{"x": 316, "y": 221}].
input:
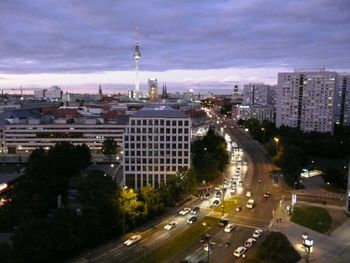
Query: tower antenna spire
[{"x": 137, "y": 56}]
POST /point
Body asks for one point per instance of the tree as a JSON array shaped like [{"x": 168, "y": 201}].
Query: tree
[
  {"x": 109, "y": 147},
  {"x": 334, "y": 176},
  {"x": 152, "y": 200},
  {"x": 209, "y": 156},
  {"x": 131, "y": 208}
]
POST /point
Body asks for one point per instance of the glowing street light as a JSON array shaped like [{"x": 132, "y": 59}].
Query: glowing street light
[{"x": 277, "y": 141}]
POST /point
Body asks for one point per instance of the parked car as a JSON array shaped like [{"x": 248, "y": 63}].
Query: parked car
[
  {"x": 257, "y": 233},
  {"x": 204, "y": 238},
  {"x": 238, "y": 209},
  {"x": 184, "y": 211},
  {"x": 248, "y": 194},
  {"x": 229, "y": 227},
  {"x": 239, "y": 251},
  {"x": 192, "y": 220},
  {"x": 132, "y": 240},
  {"x": 170, "y": 226},
  {"x": 250, "y": 242}
]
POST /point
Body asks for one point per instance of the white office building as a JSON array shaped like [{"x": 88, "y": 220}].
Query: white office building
[
  {"x": 258, "y": 112},
  {"x": 157, "y": 144},
  {"x": 305, "y": 100}
]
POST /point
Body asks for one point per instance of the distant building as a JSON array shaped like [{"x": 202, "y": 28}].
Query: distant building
[
  {"x": 258, "y": 112},
  {"x": 53, "y": 92},
  {"x": 22, "y": 131},
  {"x": 256, "y": 94},
  {"x": 342, "y": 100},
  {"x": 305, "y": 100},
  {"x": 164, "y": 92},
  {"x": 157, "y": 144},
  {"x": 153, "y": 89}
]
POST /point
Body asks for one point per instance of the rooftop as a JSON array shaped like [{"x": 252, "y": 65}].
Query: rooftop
[{"x": 158, "y": 111}]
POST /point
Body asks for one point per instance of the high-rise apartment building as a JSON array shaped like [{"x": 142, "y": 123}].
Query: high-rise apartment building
[
  {"x": 305, "y": 100},
  {"x": 157, "y": 144},
  {"x": 342, "y": 100},
  {"x": 256, "y": 94},
  {"x": 153, "y": 88}
]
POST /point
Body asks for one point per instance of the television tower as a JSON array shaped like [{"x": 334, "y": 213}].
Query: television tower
[{"x": 137, "y": 56}]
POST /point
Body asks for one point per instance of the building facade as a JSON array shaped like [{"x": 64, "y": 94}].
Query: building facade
[
  {"x": 256, "y": 94},
  {"x": 157, "y": 144},
  {"x": 258, "y": 112},
  {"x": 342, "y": 100},
  {"x": 153, "y": 89},
  {"x": 305, "y": 100}
]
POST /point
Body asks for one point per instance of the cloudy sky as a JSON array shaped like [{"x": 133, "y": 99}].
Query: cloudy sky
[{"x": 186, "y": 43}]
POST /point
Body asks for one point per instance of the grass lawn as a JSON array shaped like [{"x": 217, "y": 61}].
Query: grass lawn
[
  {"x": 315, "y": 218},
  {"x": 275, "y": 248},
  {"x": 322, "y": 164},
  {"x": 179, "y": 242},
  {"x": 230, "y": 205}
]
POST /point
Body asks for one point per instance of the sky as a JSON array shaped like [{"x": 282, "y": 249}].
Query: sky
[{"x": 197, "y": 44}]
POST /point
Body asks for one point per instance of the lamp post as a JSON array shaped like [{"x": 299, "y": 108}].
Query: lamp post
[
  {"x": 208, "y": 239},
  {"x": 277, "y": 141},
  {"x": 263, "y": 130},
  {"x": 124, "y": 189}
]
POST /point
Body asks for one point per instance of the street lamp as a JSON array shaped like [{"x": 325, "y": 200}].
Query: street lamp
[
  {"x": 207, "y": 237},
  {"x": 124, "y": 189},
  {"x": 263, "y": 130},
  {"x": 277, "y": 141}
]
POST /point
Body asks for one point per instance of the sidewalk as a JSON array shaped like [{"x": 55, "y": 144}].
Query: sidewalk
[{"x": 334, "y": 248}]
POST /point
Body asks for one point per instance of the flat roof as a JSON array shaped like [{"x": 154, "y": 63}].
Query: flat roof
[
  {"x": 158, "y": 111},
  {"x": 9, "y": 177}
]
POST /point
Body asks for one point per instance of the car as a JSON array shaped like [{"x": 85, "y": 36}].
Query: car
[
  {"x": 238, "y": 209},
  {"x": 207, "y": 195},
  {"x": 229, "y": 227},
  {"x": 250, "y": 204},
  {"x": 195, "y": 210},
  {"x": 240, "y": 183},
  {"x": 192, "y": 220},
  {"x": 248, "y": 194},
  {"x": 250, "y": 242},
  {"x": 257, "y": 233},
  {"x": 204, "y": 238},
  {"x": 210, "y": 247},
  {"x": 216, "y": 202},
  {"x": 223, "y": 222},
  {"x": 233, "y": 191},
  {"x": 184, "y": 211},
  {"x": 132, "y": 240},
  {"x": 239, "y": 251},
  {"x": 170, "y": 226},
  {"x": 267, "y": 195},
  {"x": 218, "y": 194}
]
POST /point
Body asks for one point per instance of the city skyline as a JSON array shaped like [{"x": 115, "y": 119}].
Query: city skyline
[{"x": 200, "y": 45}]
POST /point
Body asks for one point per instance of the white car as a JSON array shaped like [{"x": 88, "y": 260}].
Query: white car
[
  {"x": 250, "y": 242},
  {"x": 132, "y": 240},
  {"x": 257, "y": 233},
  {"x": 170, "y": 226},
  {"x": 248, "y": 194},
  {"x": 229, "y": 227},
  {"x": 239, "y": 251},
  {"x": 185, "y": 211}
]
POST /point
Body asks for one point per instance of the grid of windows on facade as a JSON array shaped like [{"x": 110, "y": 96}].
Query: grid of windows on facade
[{"x": 154, "y": 149}]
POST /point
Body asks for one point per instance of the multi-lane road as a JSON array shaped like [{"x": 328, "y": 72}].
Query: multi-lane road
[{"x": 257, "y": 180}]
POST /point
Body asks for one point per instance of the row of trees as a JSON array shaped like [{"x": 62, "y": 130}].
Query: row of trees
[
  {"x": 102, "y": 210},
  {"x": 291, "y": 147},
  {"x": 209, "y": 157}
]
